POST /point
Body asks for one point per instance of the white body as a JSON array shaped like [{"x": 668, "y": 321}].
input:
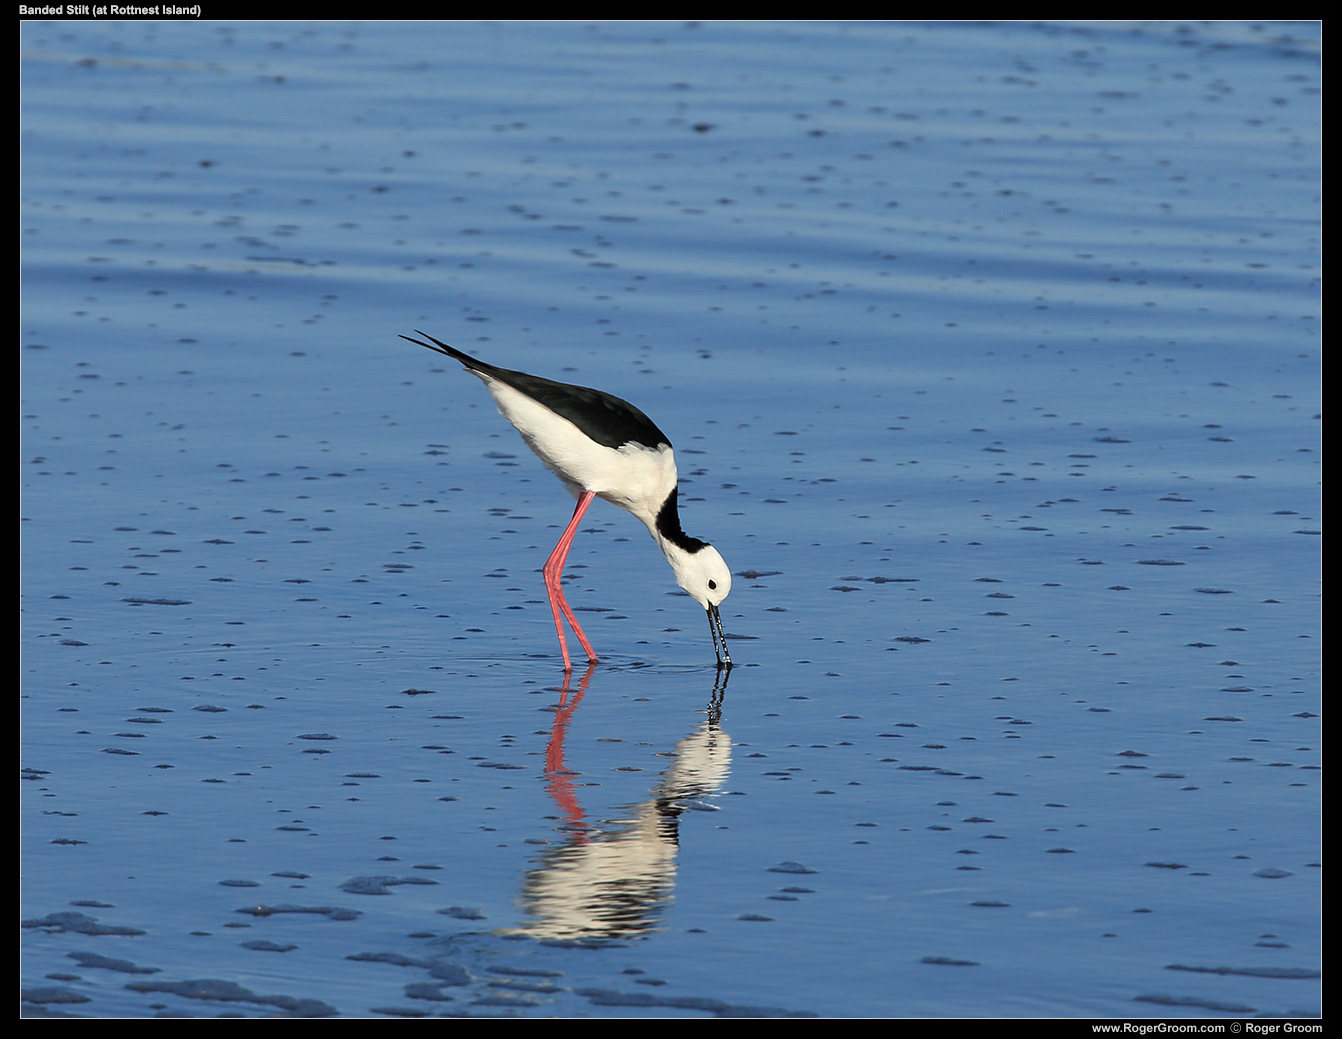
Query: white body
[{"x": 638, "y": 479}]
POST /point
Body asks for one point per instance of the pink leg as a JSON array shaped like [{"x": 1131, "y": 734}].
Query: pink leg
[{"x": 553, "y": 571}]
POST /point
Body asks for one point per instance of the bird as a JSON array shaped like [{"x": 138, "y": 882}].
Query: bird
[{"x": 603, "y": 447}]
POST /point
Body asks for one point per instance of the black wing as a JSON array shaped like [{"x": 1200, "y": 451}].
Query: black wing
[{"x": 605, "y": 418}]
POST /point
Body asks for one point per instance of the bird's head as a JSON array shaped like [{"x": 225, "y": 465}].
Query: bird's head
[{"x": 701, "y": 572}]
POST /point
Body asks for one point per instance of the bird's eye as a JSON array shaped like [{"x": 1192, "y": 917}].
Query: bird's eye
[{"x": 712, "y": 584}]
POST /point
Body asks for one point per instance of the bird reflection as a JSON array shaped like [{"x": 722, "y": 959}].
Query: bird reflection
[{"x": 614, "y": 882}]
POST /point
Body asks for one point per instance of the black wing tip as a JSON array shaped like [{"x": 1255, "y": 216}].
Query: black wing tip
[
  {"x": 432, "y": 344},
  {"x": 437, "y": 346}
]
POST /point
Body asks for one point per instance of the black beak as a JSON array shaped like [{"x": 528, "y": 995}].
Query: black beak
[{"x": 719, "y": 639}]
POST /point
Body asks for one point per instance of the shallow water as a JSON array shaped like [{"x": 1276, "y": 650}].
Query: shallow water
[{"x": 991, "y": 357}]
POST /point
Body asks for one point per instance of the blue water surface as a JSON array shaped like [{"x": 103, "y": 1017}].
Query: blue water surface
[{"x": 991, "y": 357}]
